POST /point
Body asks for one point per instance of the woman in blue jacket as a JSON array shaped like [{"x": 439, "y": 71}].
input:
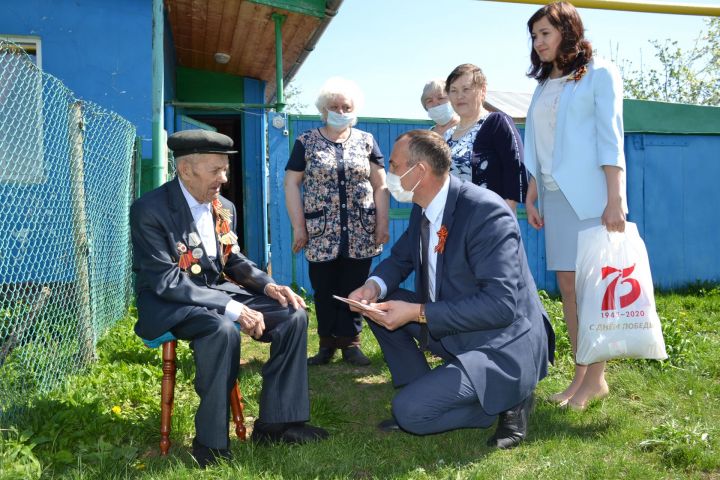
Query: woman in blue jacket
[{"x": 574, "y": 152}]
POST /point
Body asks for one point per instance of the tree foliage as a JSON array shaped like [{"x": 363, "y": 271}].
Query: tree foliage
[
  {"x": 685, "y": 76},
  {"x": 293, "y": 104}
]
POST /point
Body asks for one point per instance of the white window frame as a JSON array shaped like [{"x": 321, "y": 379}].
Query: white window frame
[
  {"x": 30, "y": 167},
  {"x": 24, "y": 41}
]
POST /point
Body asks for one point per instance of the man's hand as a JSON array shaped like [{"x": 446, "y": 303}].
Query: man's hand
[
  {"x": 284, "y": 295},
  {"x": 367, "y": 294},
  {"x": 397, "y": 314},
  {"x": 251, "y": 322}
]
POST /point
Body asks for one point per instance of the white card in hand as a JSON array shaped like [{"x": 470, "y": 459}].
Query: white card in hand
[{"x": 361, "y": 306}]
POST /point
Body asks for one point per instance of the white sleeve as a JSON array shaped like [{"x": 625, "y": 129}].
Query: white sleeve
[
  {"x": 233, "y": 310},
  {"x": 381, "y": 284}
]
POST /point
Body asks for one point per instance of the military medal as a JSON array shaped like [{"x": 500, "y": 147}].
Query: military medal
[
  {"x": 228, "y": 238},
  {"x": 181, "y": 248},
  {"x": 185, "y": 261},
  {"x": 197, "y": 253},
  {"x": 224, "y": 213},
  {"x": 195, "y": 269},
  {"x": 193, "y": 239},
  {"x": 222, "y": 230},
  {"x": 235, "y": 249}
]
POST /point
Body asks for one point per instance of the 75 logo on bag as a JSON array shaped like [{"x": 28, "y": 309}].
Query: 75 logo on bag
[{"x": 621, "y": 275}]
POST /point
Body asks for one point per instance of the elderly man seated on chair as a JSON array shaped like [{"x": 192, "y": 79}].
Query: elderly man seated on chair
[{"x": 192, "y": 280}]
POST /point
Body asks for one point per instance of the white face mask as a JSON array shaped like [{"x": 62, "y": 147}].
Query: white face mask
[
  {"x": 441, "y": 114},
  {"x": 396, "y": 188},
  {"x": 339, "y": 121}
]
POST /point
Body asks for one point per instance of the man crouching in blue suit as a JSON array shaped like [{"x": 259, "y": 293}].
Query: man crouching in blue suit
[{"x": 475, "y": 303}]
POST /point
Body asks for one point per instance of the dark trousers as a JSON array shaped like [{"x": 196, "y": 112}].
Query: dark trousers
[
  {"x": 215, "y": 342},
  {"x": 430, "y": 401},
  {"x": 338, "y": 327}
]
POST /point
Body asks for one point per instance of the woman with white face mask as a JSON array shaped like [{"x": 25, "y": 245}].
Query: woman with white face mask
[
  {"x": 436, "y": 103},
  {"x": 338, "y": 204},
  {"x": 486, "y": 147}
]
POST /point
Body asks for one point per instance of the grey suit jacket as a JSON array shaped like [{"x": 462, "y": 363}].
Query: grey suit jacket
[
  {"x": 487, "y": 312},
  {"x": 158, "y": 221}
]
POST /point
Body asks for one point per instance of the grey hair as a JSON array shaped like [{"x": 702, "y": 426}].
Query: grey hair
[
  {"x": 428, "y": 146},
  {"x": 430, "y": 88},
  {"x": 335, "y": 86}
]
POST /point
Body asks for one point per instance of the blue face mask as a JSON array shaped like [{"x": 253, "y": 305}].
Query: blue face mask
[
  {"x": 339, "y": 121},
  {"x": 441, "y": 114}
]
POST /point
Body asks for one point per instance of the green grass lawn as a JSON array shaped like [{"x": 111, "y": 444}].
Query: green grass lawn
[{"x": 660, "y": 420}]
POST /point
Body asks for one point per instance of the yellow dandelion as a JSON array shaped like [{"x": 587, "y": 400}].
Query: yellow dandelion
[{"x": 116, "y": 410}]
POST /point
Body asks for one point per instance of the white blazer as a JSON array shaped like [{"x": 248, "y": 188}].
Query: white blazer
[{"x": 588, "y": 135}]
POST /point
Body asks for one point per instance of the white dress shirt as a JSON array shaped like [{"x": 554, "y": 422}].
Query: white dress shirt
[
  {"x": 202, "y": 214},
  {"x": 434, "y": 213}
]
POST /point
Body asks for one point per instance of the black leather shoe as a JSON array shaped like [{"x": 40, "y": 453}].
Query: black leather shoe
[
  {"x": 206, "y": 456},
  {"x": 355, "y": 356},
  {"x": 298, "y": 432},
  {"x": 324, "y": 355},
  {"x": 388, "y": 426},
  {"x": 512, "y": 425}
]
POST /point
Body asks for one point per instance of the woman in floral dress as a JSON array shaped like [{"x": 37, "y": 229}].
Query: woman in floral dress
[{"x": 338, "y": 202}]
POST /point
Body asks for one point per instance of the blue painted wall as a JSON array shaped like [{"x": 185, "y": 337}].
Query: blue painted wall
[
  {"x": 99, "y": 49},
  {"x": 673, "y": 197}
]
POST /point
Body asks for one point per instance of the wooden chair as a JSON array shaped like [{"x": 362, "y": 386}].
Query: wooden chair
[{"x": 167, "y": 392}]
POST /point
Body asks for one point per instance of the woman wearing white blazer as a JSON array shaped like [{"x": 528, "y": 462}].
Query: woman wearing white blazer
[{"x": 574, "y": 152}]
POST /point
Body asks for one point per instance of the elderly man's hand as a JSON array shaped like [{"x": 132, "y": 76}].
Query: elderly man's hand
[
  {"x": 284, "y": 295},
  {"x": 251, "y": 322}
]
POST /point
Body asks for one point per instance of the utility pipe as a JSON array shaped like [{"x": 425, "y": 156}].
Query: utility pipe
[
  {"x": 220, "y": 105},
  {"x": 279, "y": 20},
  {"x": 647, "y": 6},
  {"x": 157, "y": 173}
]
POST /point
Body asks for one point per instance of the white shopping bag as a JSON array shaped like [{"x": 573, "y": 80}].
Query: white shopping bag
[{"x": 615, "y": 299}]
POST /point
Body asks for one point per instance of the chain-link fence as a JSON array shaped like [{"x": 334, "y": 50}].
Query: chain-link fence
[{"x": 65, "y": 190}]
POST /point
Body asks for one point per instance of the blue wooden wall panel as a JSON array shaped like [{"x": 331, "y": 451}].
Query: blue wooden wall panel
[
  {"x": 280, "y": 230},
  {"x": 681, "y": 216},
  {"x": 664, "y": 235},
  {"x": 701, "y": 215},
  {"x": 254, "y": 173}
]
